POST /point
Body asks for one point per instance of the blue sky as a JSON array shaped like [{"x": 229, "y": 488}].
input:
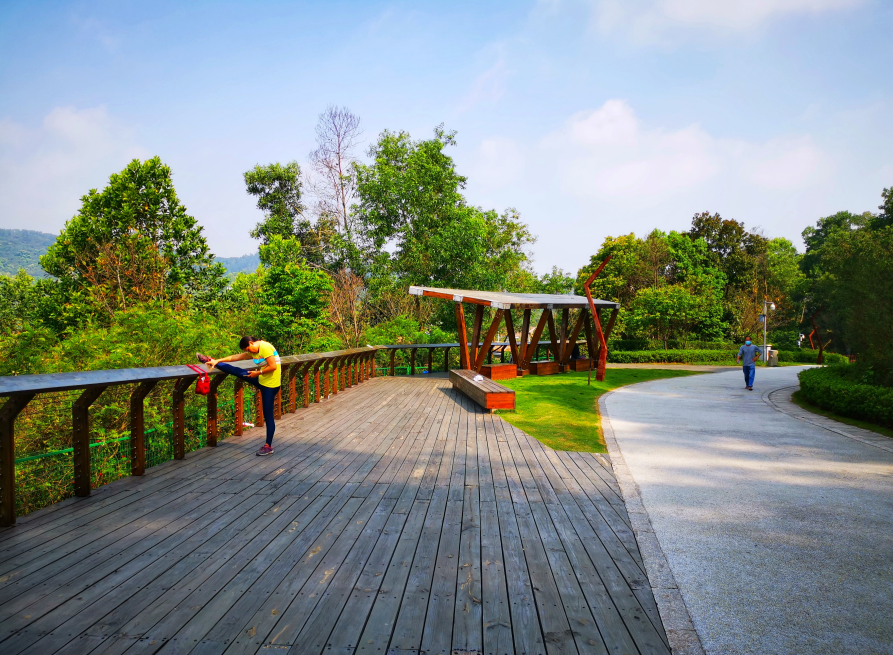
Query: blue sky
[{"x": 591, "y": 118}]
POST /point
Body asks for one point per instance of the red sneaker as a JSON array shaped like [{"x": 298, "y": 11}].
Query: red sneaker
[{"x": 265, "y": 450}]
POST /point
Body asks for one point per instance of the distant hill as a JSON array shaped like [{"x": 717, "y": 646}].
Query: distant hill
[
  {"x": 236, "y": 265},
  {"x": 22, "y": 249}
]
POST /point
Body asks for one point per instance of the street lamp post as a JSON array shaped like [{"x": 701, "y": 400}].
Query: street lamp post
[{"x": 767, "y": 305}]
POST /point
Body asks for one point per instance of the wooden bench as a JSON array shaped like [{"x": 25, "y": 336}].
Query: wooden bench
[
  {"x": 499, "y": 371},
  {"x": 488, "y": 394}
]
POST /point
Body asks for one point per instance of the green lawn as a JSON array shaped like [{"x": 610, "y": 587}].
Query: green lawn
[
  {"x": 797, "y": 399},
  {"x": 562, "y": 411}
]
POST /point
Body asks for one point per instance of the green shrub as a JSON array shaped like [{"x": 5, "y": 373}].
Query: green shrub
[
  {"x": 674, "y": 344},
  {"x": 829, "y": 388},
  {"x": 810, "y": 357},
  {"x": 671, "y": 356}
]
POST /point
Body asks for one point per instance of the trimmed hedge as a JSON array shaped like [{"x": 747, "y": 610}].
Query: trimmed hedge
[
  {"x": 645, "y": 344},
  {"x": 827, "y": 388},
  {"x": 711, "y": 357},
  {"x": 671, "y": 356},
  {"x": 810, "y": 357}
]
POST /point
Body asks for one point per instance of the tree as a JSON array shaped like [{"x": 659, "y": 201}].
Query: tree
[
  {"x": 348, "y": 310},
  {"x": 133, "y": 229},
  {"x": 337, "y": 134},
  {"x": 418, "y": 226},
  {"x": 277, "y": 188}
]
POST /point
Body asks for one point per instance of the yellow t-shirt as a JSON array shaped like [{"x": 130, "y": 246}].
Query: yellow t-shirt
[{"x": 273, "y": 379}]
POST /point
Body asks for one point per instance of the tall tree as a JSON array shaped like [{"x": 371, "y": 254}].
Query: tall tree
[
  {"x": 337, "y": 135},
  {"x": 132, "y": 232},
  {"x": 277, "y": 188}
]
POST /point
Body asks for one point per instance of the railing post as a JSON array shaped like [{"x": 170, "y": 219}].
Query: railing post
[
  {"x": 336, "y": 374},
  {"x": 372, "y": 364},
  {"x": 446, "y": 359},
  {"x": 393, "y": 355},
  {"x": 80, "y": 439},
  {"x": 305, "y": 384},
  {"x": 213, "y": 428},
  {"x": 317, "y": 396},
  {"x": 11, "y": 409},
  {"x": 138, "y": 427},
  {"x": 238, "y": 408},
  {"x": 179, "y": 411},
  {"x": 258, "y": 409},
  {"x": 412, "y": 352},
  {"x": 292, "y": 388},
  {"x": 430, "y": 361}
]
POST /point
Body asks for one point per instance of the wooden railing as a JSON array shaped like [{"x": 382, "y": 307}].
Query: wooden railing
[
  {"x": 499, "y": 348},
  {"x": 330, "y": 372}
]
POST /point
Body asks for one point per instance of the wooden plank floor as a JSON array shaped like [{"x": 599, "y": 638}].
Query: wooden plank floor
[{"x": 394, "y": 518}]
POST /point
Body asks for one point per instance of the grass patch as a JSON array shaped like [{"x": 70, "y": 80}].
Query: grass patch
[
  {"x": 798, "y": 400},
  {"x": 561, "y": 411}
]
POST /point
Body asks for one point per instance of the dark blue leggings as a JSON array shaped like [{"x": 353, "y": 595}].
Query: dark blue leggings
[{"x": 267, "y": 396}]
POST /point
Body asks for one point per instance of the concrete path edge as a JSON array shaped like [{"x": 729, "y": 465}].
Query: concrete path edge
[{"x": 681, "y": 633}]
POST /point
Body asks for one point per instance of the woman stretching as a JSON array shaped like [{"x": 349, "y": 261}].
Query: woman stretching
[{"x": 267, "y": 379}]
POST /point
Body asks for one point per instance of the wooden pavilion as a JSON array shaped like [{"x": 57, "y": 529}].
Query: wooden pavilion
[{"x": 522, "y": 343}]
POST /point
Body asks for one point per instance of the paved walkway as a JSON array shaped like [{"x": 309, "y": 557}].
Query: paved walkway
[{"x": 778, "y": 532}]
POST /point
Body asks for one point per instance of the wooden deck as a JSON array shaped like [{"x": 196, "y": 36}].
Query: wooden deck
[{"x": 396, "y": 517}]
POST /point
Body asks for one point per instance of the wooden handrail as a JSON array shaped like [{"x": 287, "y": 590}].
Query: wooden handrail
[{"x": 21, "y": 389}]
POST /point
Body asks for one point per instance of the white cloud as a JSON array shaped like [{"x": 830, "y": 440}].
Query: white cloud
[
  {"x": 488, "y": 87},
  {"x": 498, "y": 162},
  {"x": 657, "y": 20},
  {"x": 45, "y": 170}
]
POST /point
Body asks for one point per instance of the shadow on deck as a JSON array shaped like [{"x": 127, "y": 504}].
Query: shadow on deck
[{"x": 395, "y": 517}]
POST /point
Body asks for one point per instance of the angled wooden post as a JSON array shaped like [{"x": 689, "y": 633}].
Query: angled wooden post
[
  {"x": 572, "y": 338},
  {"x": 464, "y": 358},
  {"x": 80, "y": 439},
  {"x": 491, "y": 334},
  {"x": 476, "y": 331},
  {"x": 239, "y": 408},
  {"x": 525, "y": 334},
  {"x": 138, "y": 427},
  {"x": 553, "y": 337},
  {"x": 213, "y": 427},
  {"x": 10, "y": 410},
  {"x": 510, "y": 328},
  {"x": 562, "y": 334},
  {"x": 179, "y": 412},
  {"x": 533, "y": 346}
]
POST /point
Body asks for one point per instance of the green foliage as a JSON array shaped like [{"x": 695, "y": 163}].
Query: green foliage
[
  {"x": 22, "y": 249},
  {"x": 405, "y": 329},
  {"x": 16, "y": 302},
  {"x": 418, "y": 226},
  {"x": 291, "y": 312},
  {"x": 810, "y": 357},
  {"x": 277, "y": 188},
  {"x": 132, "y": 242},
  {"x": 724, "y": 357},
  {"x": 833, "y": 389},
  {"x": 674, "y": 312}
]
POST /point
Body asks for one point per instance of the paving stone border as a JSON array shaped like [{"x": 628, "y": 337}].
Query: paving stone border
[{"x": 674, "y": 614}]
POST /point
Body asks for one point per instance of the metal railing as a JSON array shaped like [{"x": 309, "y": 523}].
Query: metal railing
[{"x": 320, "y": 374}]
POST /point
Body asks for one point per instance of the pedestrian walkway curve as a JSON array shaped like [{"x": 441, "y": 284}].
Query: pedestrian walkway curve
[{"x": 776, "y": 532}]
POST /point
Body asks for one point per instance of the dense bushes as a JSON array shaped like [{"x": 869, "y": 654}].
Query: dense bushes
[
  {"x": 809, "y": 357},
  {"x": 832, "y": 389},
  {"x": 673, "y": 344},
  {"x": 671, "y": 356}
]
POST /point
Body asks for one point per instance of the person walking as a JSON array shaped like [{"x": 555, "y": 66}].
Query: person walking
[
  {"x": 747, "y": 355},
  {"x": 267, "y": 379}
]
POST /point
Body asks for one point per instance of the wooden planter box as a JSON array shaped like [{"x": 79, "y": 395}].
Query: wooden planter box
[
  {"x": 543, "y": 367},
  {"x": 579, "y": 364},
  {"x": 499, "y": 371}
]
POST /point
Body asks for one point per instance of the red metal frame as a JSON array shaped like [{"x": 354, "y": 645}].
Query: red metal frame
[{"x": 603, "y": 344}]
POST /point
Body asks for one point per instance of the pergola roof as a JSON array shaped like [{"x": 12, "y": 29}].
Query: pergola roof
[{"x": 504, "y": 300}]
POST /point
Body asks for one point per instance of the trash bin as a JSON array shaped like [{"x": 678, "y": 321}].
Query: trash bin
[{"x": 773, "y": 358}]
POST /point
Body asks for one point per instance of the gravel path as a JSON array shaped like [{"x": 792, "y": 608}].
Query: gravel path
[{"x": 778, "y": 531}]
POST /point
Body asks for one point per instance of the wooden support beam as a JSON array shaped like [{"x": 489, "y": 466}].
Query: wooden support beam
[
  {"x": 393, "y": 358},
  {"x": 572, "y": 340},
  {"x": 138, "y": 426},
  {"x": 80, "y": 439},
  {"x": 239, "y": 408},
  {"x": 533, "y": 346},
  {"x": 525, "y": 333},
  {"x": 491, "y": 334},
  {"x": 178, "y": 402},
  {"x": 430, "y": 361},
  {"x": 611, "y": 322},
  {"x": 446, "y": 359},
  {"x": 213, "y": 428},
  {"x": 590, "y": 343},
  {"x": 464, "y": 356},
  {"x": 510, "y": 328},
  {"x": 11, "y": 409},
  {"x": 293, "y": 388},
  {"x": 412, "y": 352},
  {"x": 476, "y": 330},
  {"x": 562, "y": 335},
  {"x": 553, "y": 337}
]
